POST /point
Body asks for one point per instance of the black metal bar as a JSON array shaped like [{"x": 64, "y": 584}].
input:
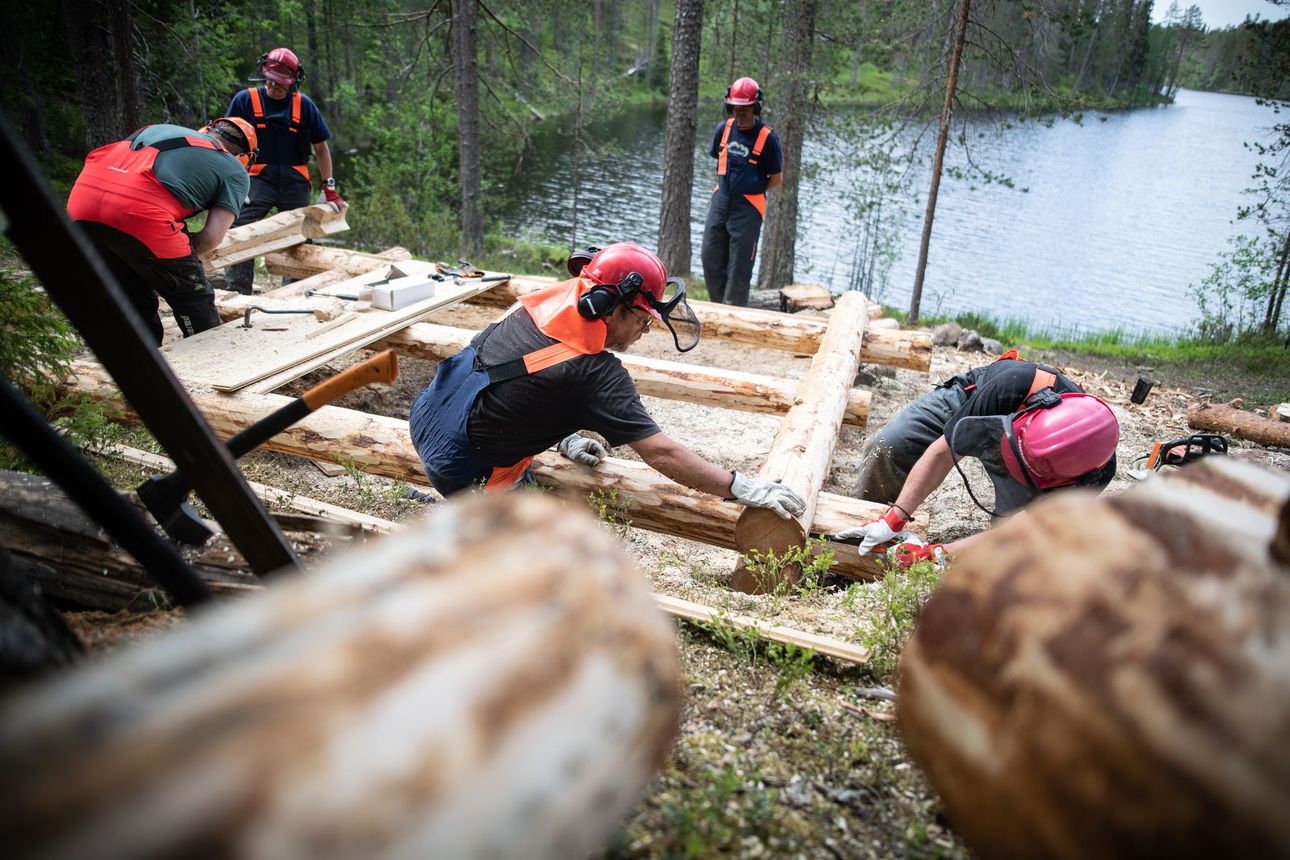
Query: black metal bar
[
  {"x": 52, "y": 454},
  {"x": 77, "y": 279}
]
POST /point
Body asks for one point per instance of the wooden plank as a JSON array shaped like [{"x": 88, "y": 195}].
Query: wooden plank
[
  {"x": 800, "y": 297},
  {"x": 304, "y": 261},
  {"x": 278, "y": 231}
]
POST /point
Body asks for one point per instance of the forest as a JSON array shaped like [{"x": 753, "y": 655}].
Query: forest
[{"x": 433, "y": 104}]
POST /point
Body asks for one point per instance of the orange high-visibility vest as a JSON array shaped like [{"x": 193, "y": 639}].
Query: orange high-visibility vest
[
  {"x": 257, "y": 108},
  {"x": 758, "y": 145}
]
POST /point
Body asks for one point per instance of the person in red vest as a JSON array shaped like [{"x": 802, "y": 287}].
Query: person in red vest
[
  {"x": 543, "y": 371},
  {"x": 1033, "y": 430},
  {"x": 290, "y": 127},
  {"x": 131, "y": 201},
  {"x": 750, "y": 162}
]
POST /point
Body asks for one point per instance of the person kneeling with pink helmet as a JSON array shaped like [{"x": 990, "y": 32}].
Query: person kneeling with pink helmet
[{"x": 1032, "y": 429}]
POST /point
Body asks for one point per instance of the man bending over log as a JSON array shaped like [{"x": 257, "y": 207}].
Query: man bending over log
[
  {"x": 1033, "y": 430},
  {"x": 542, "y": 372}
]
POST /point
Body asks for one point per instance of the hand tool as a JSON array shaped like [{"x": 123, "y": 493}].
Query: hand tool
[
  {"x": 320, "y": 315},
  {"x": 165, "y": 495}
]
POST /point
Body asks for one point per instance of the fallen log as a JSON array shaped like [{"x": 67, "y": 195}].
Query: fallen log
[
  {"x": 445, "y": 692},
  {"x": 274, "y": 233},
  {"x": 1111, "y": 677},
  {"x": 304, "y": 261},
  {"x": 381, "y": 445},
  {"x": 672, "y": 380},
  {"x": 803, "y": 446},
  {"x": 1231, "y": 421}
]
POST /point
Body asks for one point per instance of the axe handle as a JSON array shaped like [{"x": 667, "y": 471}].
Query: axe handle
[{"x": 382, "y": 367}]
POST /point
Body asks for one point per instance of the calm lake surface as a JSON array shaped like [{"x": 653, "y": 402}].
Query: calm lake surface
[{"x": 1107, "y": 225}]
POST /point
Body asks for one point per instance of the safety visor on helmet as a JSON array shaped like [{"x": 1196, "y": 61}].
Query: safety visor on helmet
[
  {"x": 279, "y": 73},
  {"x": 675, "y": 313},
  {"x": 984, "y": 438}
]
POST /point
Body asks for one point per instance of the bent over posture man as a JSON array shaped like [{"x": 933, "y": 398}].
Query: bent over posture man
[
  {"x": 133, "y": 196},
  {"x": 542, "y": 372},
  {"x": 750, "y": 163},
  {"x": 1033, "y": 430},
  {"x": 290, "y": 126}
]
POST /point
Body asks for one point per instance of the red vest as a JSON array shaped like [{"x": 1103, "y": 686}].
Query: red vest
[{"x": 118, "y": 188}]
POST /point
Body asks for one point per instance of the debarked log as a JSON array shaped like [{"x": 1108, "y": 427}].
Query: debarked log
[
  {"x": 278, "y": 231},
  {"x": 1110, "y": 677},
  {"x": 381, "y": 446},
  {"x": 671, "y": 380},
  {"x": 494, "y": 682},
  {"x": 303, "y": 261},
  {"x": 1239, "y": 423}
]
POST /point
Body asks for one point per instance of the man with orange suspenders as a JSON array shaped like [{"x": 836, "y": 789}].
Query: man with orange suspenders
[
  {"x": 543, "y": 371},
  {"x": 750, "y": 162},
  {"x": 1033, "y": 430},
  {"x": 289, "y": 125}
]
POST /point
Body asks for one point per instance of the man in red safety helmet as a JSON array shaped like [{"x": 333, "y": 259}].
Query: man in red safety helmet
[
  {"x": 1032, "y": 429},
  {"x": 750, "y": 162},
  {"x": 290, "y": 127},
  {"x": 543, "y": 371},
  {"x": 131, "y": 201}
]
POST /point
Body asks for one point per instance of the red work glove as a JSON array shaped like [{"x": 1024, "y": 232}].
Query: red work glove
[
  {"x": 890, "y": 526},
  {"x": 910, "y": 553},
  {"x": 333, "y": 198}
]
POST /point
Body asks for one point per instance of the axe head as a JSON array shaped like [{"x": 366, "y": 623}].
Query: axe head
[{"x": 165, "y": 496}]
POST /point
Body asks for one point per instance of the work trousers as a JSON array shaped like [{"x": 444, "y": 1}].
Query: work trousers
[
  {"x": 277, "y": 186},
  {"x": 730, "y": 247},
  {"x": 143, "y": 277},
  {"x": 891, "y": 454}
]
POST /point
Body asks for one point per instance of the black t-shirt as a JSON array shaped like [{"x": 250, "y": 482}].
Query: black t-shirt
[
  {"x": 1001, "y": 389},
  {"x": 519, "y": 417}
]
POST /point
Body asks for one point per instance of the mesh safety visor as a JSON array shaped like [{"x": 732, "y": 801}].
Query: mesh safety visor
[
  {"x": 983, "y": 438},
  {"x": 677, "y": 315}
]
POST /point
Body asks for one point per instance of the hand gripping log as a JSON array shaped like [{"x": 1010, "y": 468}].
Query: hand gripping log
[{"x": 165, "y": 495}]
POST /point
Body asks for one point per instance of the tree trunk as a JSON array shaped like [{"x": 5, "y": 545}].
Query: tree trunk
[
  {"x": 779, "y": 238},
  {"x": 678, "y": 159},
  {"x": 465, "y": 40},
  {"x": 320, "y": 92},
  {"x": 942, "y": 137},
  {"x": 446, "y": 691},
  {"x": 98, "y": 36},
  {"x": 1109, "y": 677}
]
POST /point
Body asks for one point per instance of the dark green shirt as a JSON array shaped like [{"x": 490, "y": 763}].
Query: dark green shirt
[{"x": 199, "y": 178}]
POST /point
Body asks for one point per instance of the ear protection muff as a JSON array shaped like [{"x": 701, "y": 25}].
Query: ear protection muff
[
  {"x": 264, "y": 58},
  {"x": 730, "y": 110},
  {"x": 578, "y": 259},
  {"x": 599, "y": 302}
]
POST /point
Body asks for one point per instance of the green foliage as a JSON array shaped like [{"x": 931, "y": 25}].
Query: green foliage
[
  {"x": 813, "y": 559},
  {"x": 790, "y": 662},
  {"x": 612, "y": 511},
  {"x": 900, "y": 595},
  {"x": 1234, "y": 297},
  {"x": 36, "y": 347}
]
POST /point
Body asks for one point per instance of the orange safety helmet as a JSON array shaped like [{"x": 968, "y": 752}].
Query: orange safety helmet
[
  {"x": 248, "y": 134},
  {"x": 282, "y": 66},
  {"x": 745, "y": 91}
]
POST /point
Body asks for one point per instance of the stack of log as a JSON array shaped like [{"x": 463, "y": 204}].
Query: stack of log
[
  {"x": 1111, "y": 677},
  {"x": 282, "y": 230},
  {"x": 492, "y": 683}
]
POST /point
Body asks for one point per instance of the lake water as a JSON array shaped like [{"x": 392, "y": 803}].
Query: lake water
[{"x": 1118, "y": 214}]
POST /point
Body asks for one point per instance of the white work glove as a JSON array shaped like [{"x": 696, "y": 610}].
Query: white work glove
[
  {"x": 761, "y": 493},
  {"x": 582, "y": 450},
  {"x": 889, "y": 527}
]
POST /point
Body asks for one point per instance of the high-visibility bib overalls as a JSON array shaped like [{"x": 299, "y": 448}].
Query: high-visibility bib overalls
[{"x": 733, "y": 228}]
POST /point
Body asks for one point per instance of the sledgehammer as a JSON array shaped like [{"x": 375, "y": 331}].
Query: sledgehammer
[{"x": 165, "y": 495}]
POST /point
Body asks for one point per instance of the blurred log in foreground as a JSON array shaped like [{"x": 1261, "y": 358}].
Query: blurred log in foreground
[
  {"x": 1111, "y": 677},
  {"x": 493, "y": 683}
]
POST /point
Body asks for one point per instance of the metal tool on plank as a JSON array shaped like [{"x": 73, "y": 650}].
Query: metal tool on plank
[
  {"x": 165, "y": 495},
  {"x": 320, "y": 315}
]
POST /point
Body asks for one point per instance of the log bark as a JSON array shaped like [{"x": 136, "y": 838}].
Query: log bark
[
  {"x": 1237, "y": 422},
  {"x": 303, "y": 261},
  {"x": 381, "y": 446},
  {"x": 803, "y": 446},
  {"x": 671, "y": 380},
  {"x": 1111, "y": 677},
  {"x": 447, "y": 691}
]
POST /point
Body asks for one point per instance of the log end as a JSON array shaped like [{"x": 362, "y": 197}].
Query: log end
[{"x": 765, "y": 537}]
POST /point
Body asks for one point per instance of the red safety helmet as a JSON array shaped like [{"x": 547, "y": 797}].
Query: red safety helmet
[
  {"x": 248, "y": 134},
  {"x": 612, "y": 265},
  {"x": 1060, "y": 441},
  {"x": 282, "y": 66},
  {"x": 744, "y": 91}
]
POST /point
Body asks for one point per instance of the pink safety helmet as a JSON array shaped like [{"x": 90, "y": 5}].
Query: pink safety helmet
[
  {"x": 1061, "y": 445},
  {"x": 612, "y": 264},
  {"x": 744, "y": 91}
]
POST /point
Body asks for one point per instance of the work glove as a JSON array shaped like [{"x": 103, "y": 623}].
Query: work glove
[
  {"x": 914, "y": 550},
  {"x": 887, "y": 528},
  {"x": 329, "y": 192},
  {"x": 761, "y": 493},
  {"x": 582, "y": 450}
]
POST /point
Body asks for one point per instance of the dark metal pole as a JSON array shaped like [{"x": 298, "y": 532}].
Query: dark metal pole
[
  {"x": 75, "y": 277},
  {"x": 52, "y": 454}
]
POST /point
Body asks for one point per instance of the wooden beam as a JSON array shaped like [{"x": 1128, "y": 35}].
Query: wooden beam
[
  {"x": 677, "y": 607},
  {"x": 274, "y": 233},
  {"x": 381, "y": 446},
  {"x": 672, "y": 380},
  {"x": 803, "y": 446},
  {"x": 442, "y": 692},
  {"x": 304, "y": 261},
  {"x": 1239, "y": 423}
]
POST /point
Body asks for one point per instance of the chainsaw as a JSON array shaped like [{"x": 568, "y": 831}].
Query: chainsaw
[{"x": 1181, "y": 451}]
